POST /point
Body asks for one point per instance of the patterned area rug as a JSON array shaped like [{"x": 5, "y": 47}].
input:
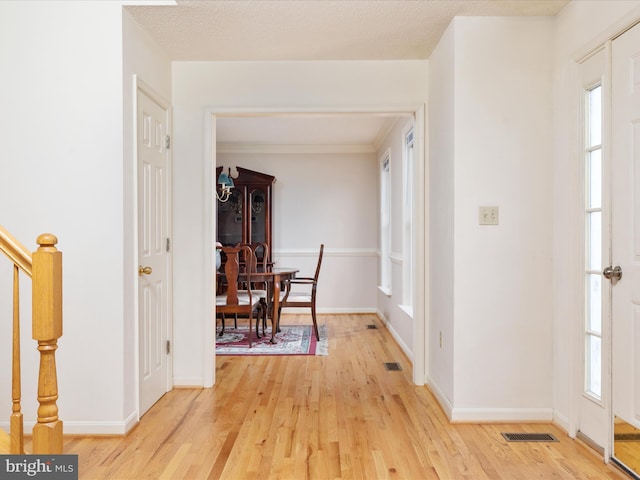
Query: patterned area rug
[{"x": 292, "y": 340}]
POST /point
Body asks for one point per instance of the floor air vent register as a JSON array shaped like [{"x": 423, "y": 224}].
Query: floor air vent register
[
  {"x": 529, "y": 437},
  {"x": 392, "y": 366}
]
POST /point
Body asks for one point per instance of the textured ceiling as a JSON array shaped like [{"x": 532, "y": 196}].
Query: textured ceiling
[
  {"x": 286, "y": 30},
  {"x": 315, "y": 29}
]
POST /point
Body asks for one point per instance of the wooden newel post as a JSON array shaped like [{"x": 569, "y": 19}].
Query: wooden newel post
[{"x": 47, "y": 328}]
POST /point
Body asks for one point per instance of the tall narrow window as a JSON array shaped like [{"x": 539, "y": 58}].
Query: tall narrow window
[
  {"x": 385, "y": 224},
  {"x": 593, "y": 243},
  {"x": 407, "y": 214}
]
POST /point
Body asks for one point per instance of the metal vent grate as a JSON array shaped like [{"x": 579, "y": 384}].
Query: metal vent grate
[
  {"x": 627, "y": 437},
  {"x": 372, "y": 326},
  {"x": 529, "y": 437},
  {"x": 392, "y": 366}
]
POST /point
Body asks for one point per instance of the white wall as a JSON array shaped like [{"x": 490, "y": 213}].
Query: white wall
[
  {"x": 501, "y": 156},
  {"x": 144, "y": 61},
  {"x": 580, "y": 27},
  {"x": 501, "y": 273},
  {"x": 328, "y": 198},
  {"x": 253, "y": 86},
  {"x": 441, "y": 190},
  {"x": 67, "y": 122},
  {"x": 62, "y": 171}
]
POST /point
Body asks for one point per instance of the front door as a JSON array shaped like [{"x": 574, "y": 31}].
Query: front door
[
  {"x": 153, "y": 248},
  {"x": 625, "y": 216}
]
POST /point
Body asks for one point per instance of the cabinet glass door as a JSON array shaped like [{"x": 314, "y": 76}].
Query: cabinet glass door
[
  {"x": 258, "y": 204},
  {"x": 230, "y": 219}
]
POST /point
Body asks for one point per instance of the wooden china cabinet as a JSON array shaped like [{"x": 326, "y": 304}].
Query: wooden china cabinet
[{"x": 246, "y": 216}]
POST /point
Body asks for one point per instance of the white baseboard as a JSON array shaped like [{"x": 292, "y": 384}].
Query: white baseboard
[
  {"x": 561, "y": 421},
  {"x": 403, "y": 346},
  {"x": 490, "y": 415},
  {"x": 441, "y": 398},
  {"x": 187, "y": 382},
  {"x": 501, "y": 415},
  {"x": 71, "y": 427}
]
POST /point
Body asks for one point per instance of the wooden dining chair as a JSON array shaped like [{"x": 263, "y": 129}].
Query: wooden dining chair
[
  {"x": 249, "y": 260},
  {"x": 263, "y": 289},
  {"x": 301, "y": 292},
  {"x": 238, "y": 301}
]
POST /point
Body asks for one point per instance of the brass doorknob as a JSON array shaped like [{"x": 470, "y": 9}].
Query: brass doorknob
[{"x": 144, "y": 270}]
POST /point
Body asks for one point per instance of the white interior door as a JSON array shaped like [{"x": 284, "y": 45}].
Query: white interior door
[
  {"x": 153, "y": 246},
  {"x": 626, "y": 226}
]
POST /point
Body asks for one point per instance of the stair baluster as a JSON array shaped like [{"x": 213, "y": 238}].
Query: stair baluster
[{"x": 16, "y": 425}]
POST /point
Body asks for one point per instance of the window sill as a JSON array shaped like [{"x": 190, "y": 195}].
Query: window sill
[
  {"x": 385, "y": 290},
  {"x": 408, "y": 309}
]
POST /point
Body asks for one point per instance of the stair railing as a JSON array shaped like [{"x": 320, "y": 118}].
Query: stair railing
[{"x": 44, "y": 266}]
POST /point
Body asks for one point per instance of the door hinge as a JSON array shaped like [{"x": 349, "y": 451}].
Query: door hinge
[
  {"x": 167, "y": 142},
  {"x": 168, "y": 244},
  {"x": 168, "y": 347}
]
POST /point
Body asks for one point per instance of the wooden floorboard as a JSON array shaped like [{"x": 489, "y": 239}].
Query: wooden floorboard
[{"x": 341, "y": 416}]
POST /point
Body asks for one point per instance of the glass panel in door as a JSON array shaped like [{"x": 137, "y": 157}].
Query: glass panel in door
[{"x": 593, "y": 245}]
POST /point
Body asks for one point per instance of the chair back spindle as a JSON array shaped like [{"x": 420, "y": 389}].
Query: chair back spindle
[
  {"x": 237, "y": 301},
  {"x": 231, "y": 271},
  {"x": 317, "y": 274}
]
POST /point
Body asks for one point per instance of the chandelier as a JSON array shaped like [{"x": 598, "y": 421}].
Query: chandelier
[{"x": 226, "y": 184}]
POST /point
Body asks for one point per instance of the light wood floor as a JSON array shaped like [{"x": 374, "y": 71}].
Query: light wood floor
[{"x": 337, "y": 417}]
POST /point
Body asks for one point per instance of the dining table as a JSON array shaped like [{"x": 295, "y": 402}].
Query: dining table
[{"x": 274, "y": 277}]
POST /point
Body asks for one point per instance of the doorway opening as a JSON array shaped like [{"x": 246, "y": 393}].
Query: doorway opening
[{"x": 223, "y": 128}]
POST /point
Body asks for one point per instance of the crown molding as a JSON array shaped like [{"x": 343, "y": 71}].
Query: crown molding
[
  {"x": 384, "y": 133},
  {"x": 294, "y": 149}
]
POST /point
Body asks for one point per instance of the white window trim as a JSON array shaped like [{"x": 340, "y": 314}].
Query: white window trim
[
  {"x": 385, "y": 222},
  {"x": 408, "y": 221}
]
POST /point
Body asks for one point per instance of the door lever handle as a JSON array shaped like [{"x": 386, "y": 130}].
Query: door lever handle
[
  {"x": 144, "y": 270},
  {"x": 613, "y": 273}
]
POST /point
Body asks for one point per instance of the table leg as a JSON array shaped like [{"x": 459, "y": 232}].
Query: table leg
[{"x": 275, "y": 319}]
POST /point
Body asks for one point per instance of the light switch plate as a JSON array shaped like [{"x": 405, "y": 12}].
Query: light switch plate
[{"x": 488, "y": 215}]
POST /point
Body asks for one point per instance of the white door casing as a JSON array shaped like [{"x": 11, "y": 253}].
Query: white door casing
[
  {"x": 626, "y": 226},
  {"x": 593, "y": 412},
  {"x": 153, "y": 249}
]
